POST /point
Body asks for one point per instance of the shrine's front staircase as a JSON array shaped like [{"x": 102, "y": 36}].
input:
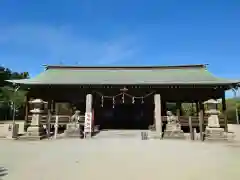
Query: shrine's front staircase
[{"x": 119, "y": 134}]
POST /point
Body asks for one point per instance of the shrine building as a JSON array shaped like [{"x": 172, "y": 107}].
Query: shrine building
[{"x": 126, "y": 97}]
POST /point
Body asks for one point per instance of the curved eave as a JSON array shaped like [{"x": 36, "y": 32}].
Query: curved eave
[
  {"x": 32, "y": 82},
  {"x": 19, "y": 81}
]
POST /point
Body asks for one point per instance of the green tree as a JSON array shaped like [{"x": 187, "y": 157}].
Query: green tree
[{"x": 8, "y": 93}]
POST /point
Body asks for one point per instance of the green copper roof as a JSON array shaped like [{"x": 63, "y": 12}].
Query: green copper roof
[{"x": 162, "y": 75}]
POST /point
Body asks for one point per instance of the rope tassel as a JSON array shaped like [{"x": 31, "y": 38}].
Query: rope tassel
[
  {"x": 113, "y": 102},
  {"x": 102, "y": 101}
]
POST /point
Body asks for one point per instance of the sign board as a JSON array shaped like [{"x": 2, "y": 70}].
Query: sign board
[{"x": 88, "y": 122}]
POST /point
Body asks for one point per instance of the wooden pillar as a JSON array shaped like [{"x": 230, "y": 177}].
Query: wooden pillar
[
  {"x": 224, "y": 112},
  {"x": 26, "y": 112},
  {"x": 56, "y": 108},
  {"x": 53, "y": 107},
  {"x": 178, "y": 110},
  {"x": 191, "y": 128},
  {"x": 236, "y": 105},
  {"x": 192, "y": 109},
  {"x": 49, "y": 117},
  {"x": 163, "y": 107},
  {"x": 197, "y": 108},
  {"x": 88, "y": 115},
  {"x": 158, "y": 114},
  {"x": 201, "y": 120}
]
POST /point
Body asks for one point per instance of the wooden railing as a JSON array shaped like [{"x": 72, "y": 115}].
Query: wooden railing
[
  {"x": 184, "y": 121},
  {"x": 62, "y": 119}
]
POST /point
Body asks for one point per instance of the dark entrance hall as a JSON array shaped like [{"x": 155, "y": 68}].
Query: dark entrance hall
[{"x": 124, "y": 116}]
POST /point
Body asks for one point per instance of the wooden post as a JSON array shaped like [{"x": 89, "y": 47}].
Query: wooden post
[
  {"x": 197, "y": 108},
  {"x": 53, "y": 107},
  {"x": 56, "y": 127},
  {"x": 163, "y": 107},
  {"x": 178, "y": 112},
  {"x": 26, "y": 113},
  {"x": 158, "y": 114},
  {"x": 224, "y": 112},
  {"x": 49, "y": 117},
  {"x": 236, "y": 105},
  {"x": 201, "y": 120},
  {"x": 192, "y": 110},
  {"x": 191, "y": 128}
]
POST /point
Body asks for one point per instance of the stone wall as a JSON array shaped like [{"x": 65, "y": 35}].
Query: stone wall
[{"x": 4, "y": 125}]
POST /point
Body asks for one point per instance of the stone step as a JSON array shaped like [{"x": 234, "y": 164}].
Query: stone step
[
  {"x": 119, "y": 134},
  {"x": 216, "y": 139},
  {"x": 31, "y": 138},
  {"x": 3, "y": 172}
]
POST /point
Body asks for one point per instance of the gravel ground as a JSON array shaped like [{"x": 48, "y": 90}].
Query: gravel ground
[{"x": 120, "y": 159}]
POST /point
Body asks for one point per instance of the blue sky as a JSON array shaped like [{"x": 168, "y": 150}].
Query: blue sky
[{"x": 120, "y": 32}]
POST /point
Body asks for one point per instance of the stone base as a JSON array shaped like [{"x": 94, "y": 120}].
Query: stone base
[
  {"x": 73, "y": 131},
  {"x": 215, "y": 134},
  {"x": 173, "y": 131},
  {"x": 71, "y": 126},
  {"x": 88, "y": 135},
  {"x": 34, "y": 133},
  {"x": 174, "y": 134},
  {"x": 154, "y": 135},
  {"x": 31, "y": 138}
]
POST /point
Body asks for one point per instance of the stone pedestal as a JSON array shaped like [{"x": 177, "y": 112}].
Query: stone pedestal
[
  {"x": 75, "y": 127},
  {"x": 214, "y": 133},
  {"x": 173, "y": 130},
  {"x": 35, "y": 131},
  {"x": 73, "y": 130}
]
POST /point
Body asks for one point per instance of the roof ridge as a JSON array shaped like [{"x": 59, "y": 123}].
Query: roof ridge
[{"x": 127, "y": 67}]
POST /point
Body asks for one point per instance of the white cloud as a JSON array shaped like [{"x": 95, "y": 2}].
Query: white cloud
[{"x": 52, "y": 45}]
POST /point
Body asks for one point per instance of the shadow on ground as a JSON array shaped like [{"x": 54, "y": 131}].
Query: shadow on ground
[{"x": 3, "y": 172}]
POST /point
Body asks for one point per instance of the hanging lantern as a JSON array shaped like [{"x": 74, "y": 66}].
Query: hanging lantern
[
  {"x": 113, "y": 99},
  {"x": 142, "y": 100},
  {"x": 123, "y": 98},
  {"x": 133, "y": 100},
  {"x": 102, "y": 101}
]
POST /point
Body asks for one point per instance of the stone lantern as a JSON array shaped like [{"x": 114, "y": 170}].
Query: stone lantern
[
  {"x": 36, "y": 130},
  {"x": 213, "y": 130},
  {"x": 213, "y": 113}
]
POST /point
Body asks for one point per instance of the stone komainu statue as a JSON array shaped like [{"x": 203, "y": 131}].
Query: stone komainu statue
[
  {"x": 75, "y": 118},
  {"x": 171, "y": 119}
]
